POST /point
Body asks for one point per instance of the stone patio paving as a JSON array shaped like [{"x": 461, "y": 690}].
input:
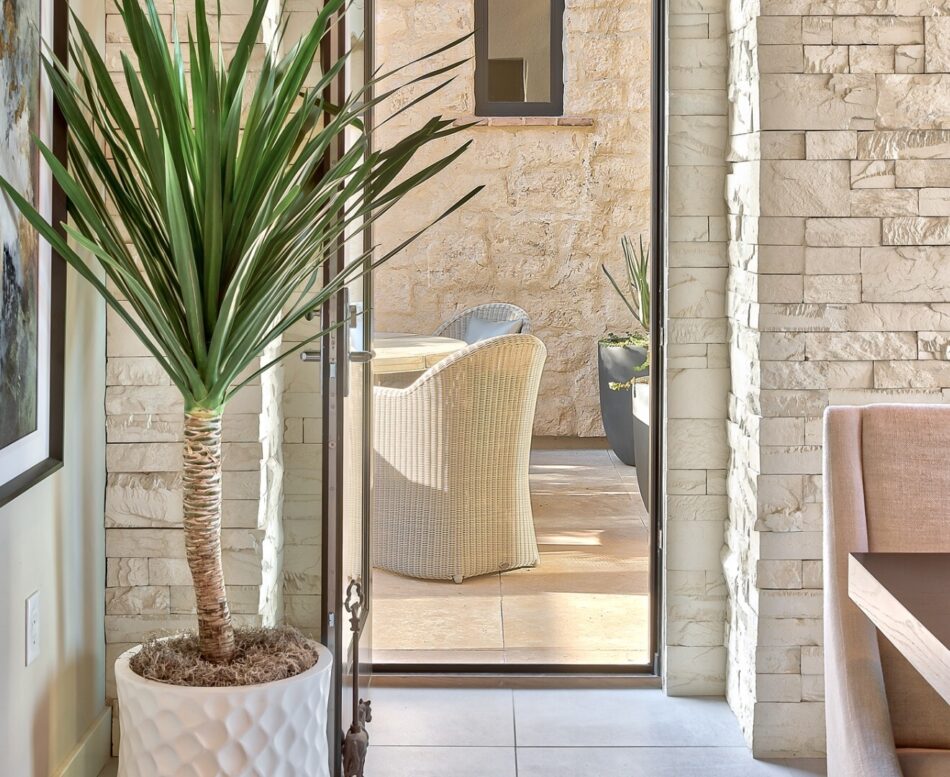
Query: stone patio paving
[{"x": 587, "y": 602}]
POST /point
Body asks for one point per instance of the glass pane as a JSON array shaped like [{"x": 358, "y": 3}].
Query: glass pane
[{"x": 519, "y": 51}]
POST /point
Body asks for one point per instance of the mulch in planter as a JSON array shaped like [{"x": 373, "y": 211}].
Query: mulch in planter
[{"x": 261, "y": 656}]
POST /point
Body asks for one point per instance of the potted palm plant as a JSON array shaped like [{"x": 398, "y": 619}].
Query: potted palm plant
[
  {"x": 624, "y": 358},
  {"x": 211, "y": 206}
]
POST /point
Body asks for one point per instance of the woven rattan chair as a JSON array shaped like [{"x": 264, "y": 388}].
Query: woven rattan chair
[
  {"x": 451, "y": 482},
  {"x": 493, "y": 311}
]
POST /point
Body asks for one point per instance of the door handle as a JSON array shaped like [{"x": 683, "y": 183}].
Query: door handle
[
  {"x": 362, "y": 357},
  {"x": 310, "y": 356}
]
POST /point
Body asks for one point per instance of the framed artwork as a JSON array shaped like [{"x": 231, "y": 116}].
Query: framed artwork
[{"x": 32, "y": 276}]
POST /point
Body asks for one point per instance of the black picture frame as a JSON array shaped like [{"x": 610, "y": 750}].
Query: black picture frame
[
  {"x": 486, "y": 107},
  {"x": 24, "y": 481}
]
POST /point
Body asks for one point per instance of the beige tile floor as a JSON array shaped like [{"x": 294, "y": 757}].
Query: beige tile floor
[
  {"x": 466, "y": 732},
  {"x": 586, "y": 603}
]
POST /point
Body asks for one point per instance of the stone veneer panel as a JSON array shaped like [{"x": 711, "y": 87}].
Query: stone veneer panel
[
  {"x": 556, "y": 202},
  {"x": 836, "y": 296},
  {"x": 697, "y": 369}
]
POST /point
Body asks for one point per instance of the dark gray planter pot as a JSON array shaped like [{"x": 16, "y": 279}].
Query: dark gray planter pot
[{"x": 618, "y": 364}]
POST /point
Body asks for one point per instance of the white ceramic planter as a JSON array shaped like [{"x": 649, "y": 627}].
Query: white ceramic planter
[{"x": 271, "y": 730}]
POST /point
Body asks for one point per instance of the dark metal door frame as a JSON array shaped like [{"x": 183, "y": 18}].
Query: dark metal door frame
[{"x": 657, "y": 389}]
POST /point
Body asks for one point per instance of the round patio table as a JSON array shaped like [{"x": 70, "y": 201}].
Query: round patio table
[{"x": 402, "y": 352}]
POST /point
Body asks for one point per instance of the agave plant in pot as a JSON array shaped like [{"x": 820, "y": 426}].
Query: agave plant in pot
[
  {"x": 623, "y": 359},
  {"x": 211, "y": 207}
]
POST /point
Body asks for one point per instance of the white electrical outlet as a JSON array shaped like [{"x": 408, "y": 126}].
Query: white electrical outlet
[{"x": 32, "y": 627}]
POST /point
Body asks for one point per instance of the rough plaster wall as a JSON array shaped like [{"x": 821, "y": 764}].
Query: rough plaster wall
[
  {"x": 698, "y": 360},
  {"x": 839, "y": 221},
  {"x": 148, "y": 585},
  {"x": 557, "y": 198}
]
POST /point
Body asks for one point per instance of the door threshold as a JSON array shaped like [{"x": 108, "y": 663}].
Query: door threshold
[{"x": 397, "y": 677}]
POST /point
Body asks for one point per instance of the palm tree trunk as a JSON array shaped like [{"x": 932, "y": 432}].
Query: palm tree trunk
[{"x": 202, "y": 518}]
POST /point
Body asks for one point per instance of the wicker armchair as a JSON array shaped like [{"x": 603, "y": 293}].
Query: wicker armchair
[
  {"x": 451, "y": 490},
  {"x": 493, "y": 311}
]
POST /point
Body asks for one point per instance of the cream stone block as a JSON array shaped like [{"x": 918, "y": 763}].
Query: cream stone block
[
  {"x": 694, "y": 330},
  {"x": 912, "y": 374},
  {"x": 696, "y": 444},
  {"x": 123, "y": 572},
  {"x": 934, "y": 202},
  {"x": 877, "y": 30},
  {"x": 790, "y": 604},
  {"x": 138, "y": 628},
  {"x": 694, "y": 544},
  {"x": 696, "y": 292},
  {"x": 778, "y": 660},
  {"x": 782, "y": 145},
  {"x": 793, "y": 460},
  {"x": 926, "y": 231},
  {"x": 909, "y": 145},
  {"x": 782, "y": 346},
  {"x": 920, "y": 101},
  {"x": 687, "y": 229},
  {"x": 700, "y": 507},
  {"x": 779, "y": 29},
  {"x": 909, "y": 59},
  {"x": 816, "y": 101},
  {"x": 781, "y": 58},
  {"x": 137, "y": 600},
  {"x": 782, "y": 431},
  {"x": 796, "y": 403},
  {"x": 698, "y": 102},
  {"x": 884, "y": 202},
  {"x": 244, "y": 599},
  {"x": 923, "y": 174},
  {"x": 813, "y": 688},
  {"x": 871, "y": 59},
  {"x": 688, "y": 26},
  {"x": 145, "y": 543},
  {"x": 843, "y": 232},
  {"x": 780, "y": 288},
  {"x": 695, "y": 671},
  {"x": 831, "y": 144},
  {"x": 695, "y": 191},
  {"x": 816, "y": 30},
  {"x": 933, "y": 345},
  {"x": 779, "y": 632},
  {"x": 825, "y": 59},
  {"x": 833, "y": 288},
  {"x": 697, "y": 393},
  {"x": 778, "y": 687},
  {"x": 812, "y": 574},
  {"x": 937, "y": 57},
  {"x": 813, "y": 661},
  {"x": 135, "y": 371},
  {"x": 776, "y": 231},
  {"x": 686, "y": 481},
  {"x": 805, "y": 188},
  {"x": 832, "y": 261},
  {"x": 860, "y": 346},
  {"x": 877, "y": 174},
  {"x": 788, "y": 729},
  {"x": 781, "y": 260},
  {"x": 816, "y": 374},
  {"x": 697, "y": 254},
  {"x": 697, "y": 140},
  {"x": 905, "y": 274},
  {"x": 694, "y": 633},
  {"x": 778, "y": 574}
]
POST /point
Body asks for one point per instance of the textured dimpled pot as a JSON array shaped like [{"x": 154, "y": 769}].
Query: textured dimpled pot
[{"x": 274, "y": 729}]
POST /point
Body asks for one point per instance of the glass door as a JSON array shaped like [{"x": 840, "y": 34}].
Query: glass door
[{"x": 347, "y": 384}]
